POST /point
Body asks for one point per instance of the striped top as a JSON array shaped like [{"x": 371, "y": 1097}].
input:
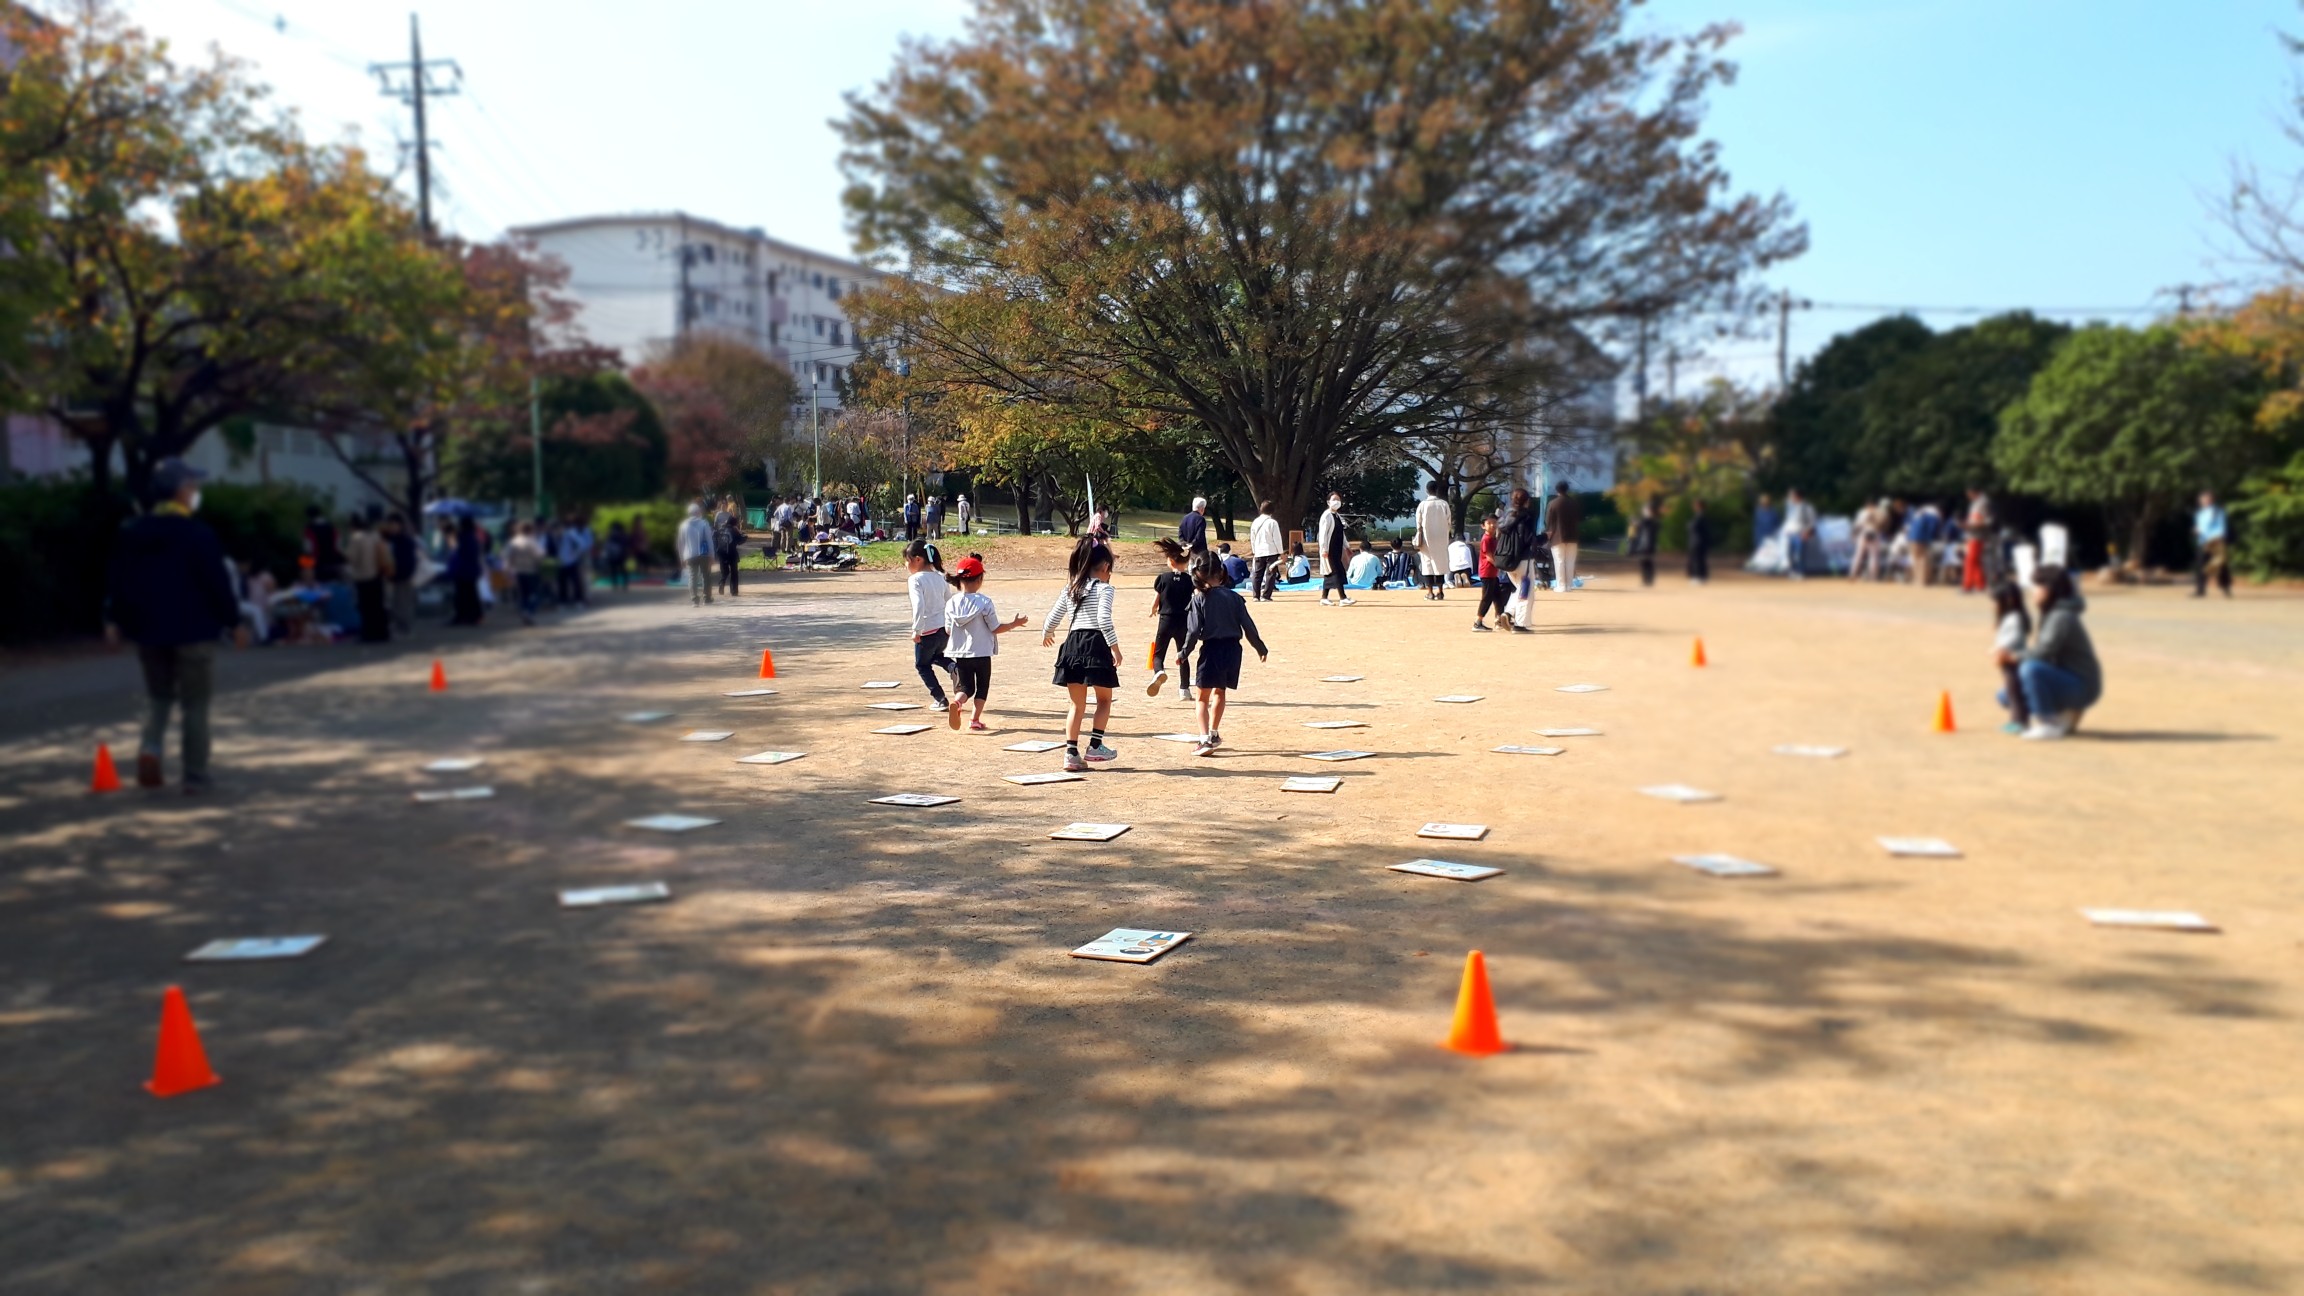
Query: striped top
[{"x": 1091, "y": 613}]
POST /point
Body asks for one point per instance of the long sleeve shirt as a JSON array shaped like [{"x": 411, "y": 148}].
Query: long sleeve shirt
[
  {"x": 1219, "y": 614},
  {"x": 1091, "y": 612}
]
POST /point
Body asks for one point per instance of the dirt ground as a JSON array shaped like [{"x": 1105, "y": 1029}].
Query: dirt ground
[{"x": 852, "y": 1056}]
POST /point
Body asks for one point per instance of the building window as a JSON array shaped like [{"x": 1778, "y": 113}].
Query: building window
[
  {"x": 832, "y": 287},
  {"x": 772, "y": 339},
  {"x": 816, "y": 280},
  {"x": 819, "y": 326},
  {"x": 836, "y": 333},
  {"x": 771, "y": 283}
]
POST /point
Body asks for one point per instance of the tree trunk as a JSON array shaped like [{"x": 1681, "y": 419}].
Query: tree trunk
[
  {"x": 1225, "y": 527},
  {"x": 1023, "y": 493},
  {"x": 2139, "y": 536}
]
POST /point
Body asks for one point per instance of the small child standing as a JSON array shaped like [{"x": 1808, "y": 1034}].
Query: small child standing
[
  {"x": 1171, "y": 598},
  {"x": 1090, "y": 655},
  {"x": 2012, "y": 625},
  {"x": 1216, "y": 621},
  {"x": 929, "y": 594},
  {"x": 974, "y": 627}
]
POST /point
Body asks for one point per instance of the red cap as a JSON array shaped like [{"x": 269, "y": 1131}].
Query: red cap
[{"x": 968, "y": 568}]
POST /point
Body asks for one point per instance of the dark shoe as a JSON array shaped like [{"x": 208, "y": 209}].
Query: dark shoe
[
  {"x": 1483, "y": 627},
  {"x": 1521, "y": 629},
  {"x": 198, "y": 787},
  {"x": 148, "y": 771}
]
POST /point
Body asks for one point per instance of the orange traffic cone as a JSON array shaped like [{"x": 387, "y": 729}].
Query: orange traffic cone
[
  {"x": 767, "y": 664},
  {"x": 1151, "y": 654},
  {"x": 439, "y": 677},
  {"x": 1696, "y": 658},
  {"x": 1944, "y": 713},
  {"x": 182, "y": 1065},
  {"x": 107, "y": 778},
  {"x": 1475, "y": 1029}
]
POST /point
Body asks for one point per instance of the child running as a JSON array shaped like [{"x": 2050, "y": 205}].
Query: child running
[
  {"x": 1171, "y": 598},
  {"x": 975, "y": 629},
  {"x": 1090, "y": 653},
  {"x": 2012, "y": 627},
  {"x": 929, "y": 594},
  {"x": 1217, "y": 620}
]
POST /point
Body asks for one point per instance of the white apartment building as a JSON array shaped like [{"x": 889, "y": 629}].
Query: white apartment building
[{"x": 643, "y": 280}]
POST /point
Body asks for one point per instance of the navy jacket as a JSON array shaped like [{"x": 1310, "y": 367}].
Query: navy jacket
[
  {"x": 1192, "y": 531},
  {"x": 168, "y": 586}
]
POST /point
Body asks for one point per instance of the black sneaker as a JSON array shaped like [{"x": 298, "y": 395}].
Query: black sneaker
[{"x": 1483, "y": 627}]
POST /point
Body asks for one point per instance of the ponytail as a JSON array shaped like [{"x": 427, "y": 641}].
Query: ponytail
[{"x": 1087, "y": 556}]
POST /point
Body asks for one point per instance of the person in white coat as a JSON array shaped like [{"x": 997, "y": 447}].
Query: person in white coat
[
  {"x": 1266, "y": 546},
  {"x": 1435, "y": 522},
  {"x": 695, "y": 541},
  {"x": 1332, "y": 548}
]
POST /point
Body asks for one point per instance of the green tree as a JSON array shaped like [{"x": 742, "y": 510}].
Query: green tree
[
  {"x": 1817, "y": 425},
  {"x": 603, "y": 442},
  {"x": 723, "y": 403},
  {"x": 1926, "y": 422},
  {"x": 2134, "y": 421},
  {"x": 1303, "y": 226}
]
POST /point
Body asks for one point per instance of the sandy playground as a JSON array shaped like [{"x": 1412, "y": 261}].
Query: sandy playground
[{"x": 851, "y": 1054}]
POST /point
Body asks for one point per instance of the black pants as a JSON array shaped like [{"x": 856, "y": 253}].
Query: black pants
[
  {"x": 1495, "y": 592},
  {"x": 927, "y": 655},
  {"x": 1436, "y": 586},
  {"x": 375, "y": 619},
  {"x": 1647, "y": 569},
  {"x": 1700, "y": 563},
  {"x": 1171, "y": 630},
  {"x": 1333, "y": 582},
  {"x": 467, "y": 601},
  {"x": 728, "y": 573},
  {"x": 972, "y": 677},
  {"x": 1264, "y": 574},
  {"x": 571, "y": 580}
]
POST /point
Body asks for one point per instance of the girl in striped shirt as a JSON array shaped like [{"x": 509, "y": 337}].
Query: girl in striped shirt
[{"x": 1089, "y": 657}]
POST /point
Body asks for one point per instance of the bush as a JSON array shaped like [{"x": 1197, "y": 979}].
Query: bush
[
  {"x": 263, "y": 522},
  {"x": 659, "y": 519},
  {"x": 2268, "y": 521}
]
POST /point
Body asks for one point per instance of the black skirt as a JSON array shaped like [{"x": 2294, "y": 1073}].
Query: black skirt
[
  {"x": 1219, "y": 664},
  {"x": 1085, "y": 658}
]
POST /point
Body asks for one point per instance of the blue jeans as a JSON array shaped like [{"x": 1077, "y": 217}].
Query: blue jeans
[
  {"x": 1796, "y": 554},
  {"x": 2052, "y": 690}
]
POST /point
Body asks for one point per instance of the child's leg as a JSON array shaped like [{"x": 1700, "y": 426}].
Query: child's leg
[
  {"x": 1103, "y": 709},
  {"x": 1079, "y": 694},
  {"x": 1207, "y": 696},
  {"x": 1215, "y": 711}
]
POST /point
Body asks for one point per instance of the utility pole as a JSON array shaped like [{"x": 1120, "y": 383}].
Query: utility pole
[
  {"x": 1784, "y": 339},
  {"x": 536, "y": 439},
  {"x": 417, "y": 86},
  {"x": 1640, "y": 376},
  {"x": 687, "y": 295}
]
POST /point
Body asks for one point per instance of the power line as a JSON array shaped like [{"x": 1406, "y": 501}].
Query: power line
[
  {"x": 1979, "y": 310},
  {"x": 412, "y": 92}
]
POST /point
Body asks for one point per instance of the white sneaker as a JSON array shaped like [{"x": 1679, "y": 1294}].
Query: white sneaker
[
  {"x": 1206, "y": 748},
  {"x": 1348, "y": 602},
  {"x": 1099, "y": 754},
  {"x": 1187, "y": 695},
  {"x": 2048, "y": 728},
  {"x": 1325, "y": 601},
  {"x": 1159, "y": 677}
]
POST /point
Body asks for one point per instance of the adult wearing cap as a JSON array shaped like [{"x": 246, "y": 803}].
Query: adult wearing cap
[{"x": 169, "y": 594}]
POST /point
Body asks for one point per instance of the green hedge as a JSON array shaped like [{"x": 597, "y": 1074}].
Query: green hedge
[{"x": 660, "y": 518}]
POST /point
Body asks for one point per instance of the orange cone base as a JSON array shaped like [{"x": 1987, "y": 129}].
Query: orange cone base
[
  {"x": 181, "y": 1065},
  {"x": 1696, "y": 658},
  {"x": 1944, "y": 714},
  {"x": 767, "y": 664},
  {"x": 439, "y": 677},
  {"x": 1475, "y": 1031},
  {"x": 107, "y": 778}
]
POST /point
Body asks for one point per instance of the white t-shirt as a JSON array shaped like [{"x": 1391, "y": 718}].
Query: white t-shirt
[
  {"x": 974, "y": 626},
  {"x": 1459, "y": 556},
  {"x": 1265, "y": 539},
  {"x": 929, "y": 591},
  {"x": 2010, "y": 636}
]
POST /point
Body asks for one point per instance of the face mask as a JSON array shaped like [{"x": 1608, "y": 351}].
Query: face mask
[{"x": 1335, "y": 504}]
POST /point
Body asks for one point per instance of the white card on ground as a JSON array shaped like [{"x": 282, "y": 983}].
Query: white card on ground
[
  {"x": 1568, "y": 733},
  {"x": 457, "y": 794},
  {"x": 1459, "y": 697},
  {"x": 1051, "y": 776},
  {"x": 251, "y": 949},
  {"x": 1515, "y": 749},
  {"x": 1581, "y": 688},
  {"x": 707, "y": 735},
  {"x": 1088, "y": 832},
  {"x": 1344, "y": 755},
  {"x": 769, "y": 758},
  {"x": 1312, "y": 783},
  {"x": 1724, "y": 866},
  {"x": 1808, "y": 749},
  {"x": 2157, "y": 919},
  {"x": 1034, "y": 745},
  {"x": 1131, "y": 945},
  {"x": 902, "y": 729},
  {"x": 1335, "y": 724},
  {"x": 1445, "y": 869},
  {"x": 454, "y": 765},
  {"x": 1679, "y": 792},
  {"x": 1182, "y": 738},
  {"x": 1342, "y": 679},
  {"x": 914, "y": 799},
  {"x": 646, "y": 717},
  {"x": 631, "y": 893},
  {"x": 672, "y": 823},
  {"x": 895, "y": 706},
  {"x": 881, "y": 684},
  {"x": 1924, "y": 847},
  {"x": 751, "y": 693},
  {"x": 1454, "y": 832}
]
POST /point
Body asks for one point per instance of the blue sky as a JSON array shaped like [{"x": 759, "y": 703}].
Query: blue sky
[{"x": 2001, "y": 153}]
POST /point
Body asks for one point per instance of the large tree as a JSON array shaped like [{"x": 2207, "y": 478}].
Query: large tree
[
  {"x": 2135, "y": 421},
  {"x": 1305, "y": 226},
  {"x": 724, "y": 404},
  {"x": 1816, "y": 424},
  {"x": 1925, "y": 424}
]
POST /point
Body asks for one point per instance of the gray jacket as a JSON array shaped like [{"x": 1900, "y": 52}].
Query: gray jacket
[{"x": 2063, "y": 643}]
